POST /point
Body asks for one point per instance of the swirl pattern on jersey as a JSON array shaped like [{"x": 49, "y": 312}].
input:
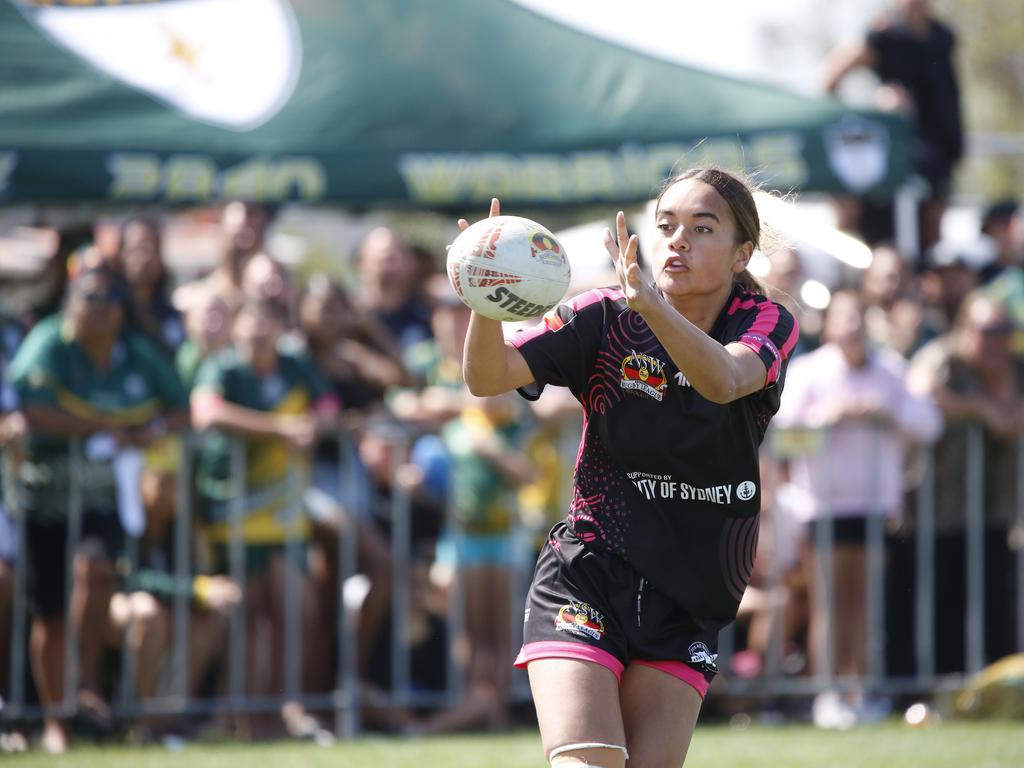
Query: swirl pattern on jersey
[
  {"x": 738, "y": 548},
  {"x": 598, "y": 509}
]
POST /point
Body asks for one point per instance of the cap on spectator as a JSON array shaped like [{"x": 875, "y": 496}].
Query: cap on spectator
[
  {"x": 1002, "y": 211},
  {"x": 973, "y": 254}
]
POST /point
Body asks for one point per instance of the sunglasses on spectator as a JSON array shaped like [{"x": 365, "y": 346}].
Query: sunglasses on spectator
[{"x": 98, "y": 298}]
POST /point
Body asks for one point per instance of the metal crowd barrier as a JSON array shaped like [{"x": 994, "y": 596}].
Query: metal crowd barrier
[{"x": 347, "y": 698}]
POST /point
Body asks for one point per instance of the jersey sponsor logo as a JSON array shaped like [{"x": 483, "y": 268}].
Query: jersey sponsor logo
[
  {"x": 580, "y": 619},
  {"x": 681, "y": 380},
  {"x": 702, "y": 657},
  {"x": 654, "y": 486},
  {"x": 745, "y": 491},
  {"x": 643, "y": 374}
]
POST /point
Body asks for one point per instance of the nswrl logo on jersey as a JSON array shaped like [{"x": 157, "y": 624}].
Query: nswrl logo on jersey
[
  {"x": 231, "y": 63},
  {"x": 643, "y": 374}
]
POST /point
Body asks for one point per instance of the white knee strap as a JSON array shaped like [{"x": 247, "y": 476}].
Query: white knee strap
[{"x": 584, "y": 745}]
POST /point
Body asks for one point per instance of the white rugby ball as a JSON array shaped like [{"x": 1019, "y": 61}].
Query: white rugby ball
[{"x": 508, "y": 268}]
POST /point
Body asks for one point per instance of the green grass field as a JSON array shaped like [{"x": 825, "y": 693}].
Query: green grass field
[{"x": 890, "y": 745}]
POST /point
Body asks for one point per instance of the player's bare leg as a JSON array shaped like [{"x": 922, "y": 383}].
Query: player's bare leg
[
  {"x": 659, "y": 712},
  {"x": 578, "y": 712}
]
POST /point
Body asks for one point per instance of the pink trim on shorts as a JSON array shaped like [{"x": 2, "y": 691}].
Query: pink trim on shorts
[
  {"x": 682, "y": 671},
  {"x": 553, "y": 649}
]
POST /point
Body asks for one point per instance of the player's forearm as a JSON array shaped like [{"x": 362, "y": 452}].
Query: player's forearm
[
  {"x": 485, "y": 357},
  {"x": 705, "y": 363}
]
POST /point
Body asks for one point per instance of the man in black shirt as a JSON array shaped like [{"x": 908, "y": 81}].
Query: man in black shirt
[{"x": 911, "y": 52}]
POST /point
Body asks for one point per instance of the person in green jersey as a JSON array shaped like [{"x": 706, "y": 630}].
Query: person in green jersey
[
  {"x": 276, "y": 404},
  {"x": 81, "y": 375}
]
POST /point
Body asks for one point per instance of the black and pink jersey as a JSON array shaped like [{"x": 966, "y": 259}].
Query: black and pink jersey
[{"x": 664, "y": 478}]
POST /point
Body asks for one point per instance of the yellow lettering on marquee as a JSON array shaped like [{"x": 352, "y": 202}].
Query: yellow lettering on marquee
[
  {"x": 778, "y": 157},
  {"x": 135, "y": 176},
  {"x": 543, "y": 178},
  {"x": 593, "y": 175},
  {"x": 303, "y": 174},
  {"x": 189, "y": 177},
  {"x": 493, "y": 176},
  {"x": 430, "y": 178},
  {"x": 722, "y": 152},
  {"x": 246, "y": 181}
]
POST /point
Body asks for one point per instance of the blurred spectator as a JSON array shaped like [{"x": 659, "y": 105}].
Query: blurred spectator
[
  {"x": 244, "y": 227},
  {"x": 949, "y": 274},
  {"x": 893, "y": 313},
  {"x": 208, "y": 323},
  {"x": 360, "y": 359},
  {"x": 912, "y": 53},
  {"x": 391, "y": 284},
  {"x": 142, "y": 614},
  {"x": 360, "y": 363},
  {"x": 436, "y": 363},
  {"x": 13, "y": 430},
  {"x": 487, "y": 468},
  {"x": 82, "y": 374},
  {"x": 978, "y": 384},
  {"x": 141, "y": 261},
  {"x": 263, "y": 277},
  {"x": 786, "y": 279},
  {"x": 278, "y": 405},
  {"x": 1003, "y": 223},
  {"x": 858, "y": 401},
  {"x": 774, "y": 606}
]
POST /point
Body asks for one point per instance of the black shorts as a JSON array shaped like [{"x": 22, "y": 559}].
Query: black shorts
[
  {"x": 593, "y": 605},
  {"x": 845, "y": 530},
  {"x": 102, "y": 538}
]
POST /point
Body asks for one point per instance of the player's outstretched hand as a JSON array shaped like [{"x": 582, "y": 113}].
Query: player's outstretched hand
[
  {"x": 495, "y": 211},
  {"x": 640, "y": 295}
]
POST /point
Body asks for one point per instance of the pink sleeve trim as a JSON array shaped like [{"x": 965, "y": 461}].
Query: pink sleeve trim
[
  {"x": 553, "y": 649},
  {"x": 757, "y": 342},
  {"x": 552, "y": 322}
]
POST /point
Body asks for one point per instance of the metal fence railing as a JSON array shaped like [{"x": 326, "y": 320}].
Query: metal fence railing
[{"x": 347, "y": 697}]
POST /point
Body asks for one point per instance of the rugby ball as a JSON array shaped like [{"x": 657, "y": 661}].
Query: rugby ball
[{"x": 508, "y": 268}]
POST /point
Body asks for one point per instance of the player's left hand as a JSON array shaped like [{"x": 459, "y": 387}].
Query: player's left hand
[
  {"x": 494, "y": 211},
  {"x": 640, "y": 294}
]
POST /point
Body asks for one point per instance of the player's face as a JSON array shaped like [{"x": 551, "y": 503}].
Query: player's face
[{"x": 695, "y": 251}]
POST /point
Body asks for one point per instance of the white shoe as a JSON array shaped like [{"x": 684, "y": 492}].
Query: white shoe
[{"x": 830, "y": 712}]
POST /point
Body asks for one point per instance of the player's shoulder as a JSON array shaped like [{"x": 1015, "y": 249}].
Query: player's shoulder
[
  {"x": 597, "y": 297},
  {"x": 589, "y": 306},
  {"x": 743, "y": 303}
]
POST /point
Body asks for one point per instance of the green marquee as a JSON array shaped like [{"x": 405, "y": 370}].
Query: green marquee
[{"x": 422, "y": 103}]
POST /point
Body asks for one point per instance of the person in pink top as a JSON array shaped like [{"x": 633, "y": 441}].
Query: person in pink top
[{"x": 857, "y": 417}]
